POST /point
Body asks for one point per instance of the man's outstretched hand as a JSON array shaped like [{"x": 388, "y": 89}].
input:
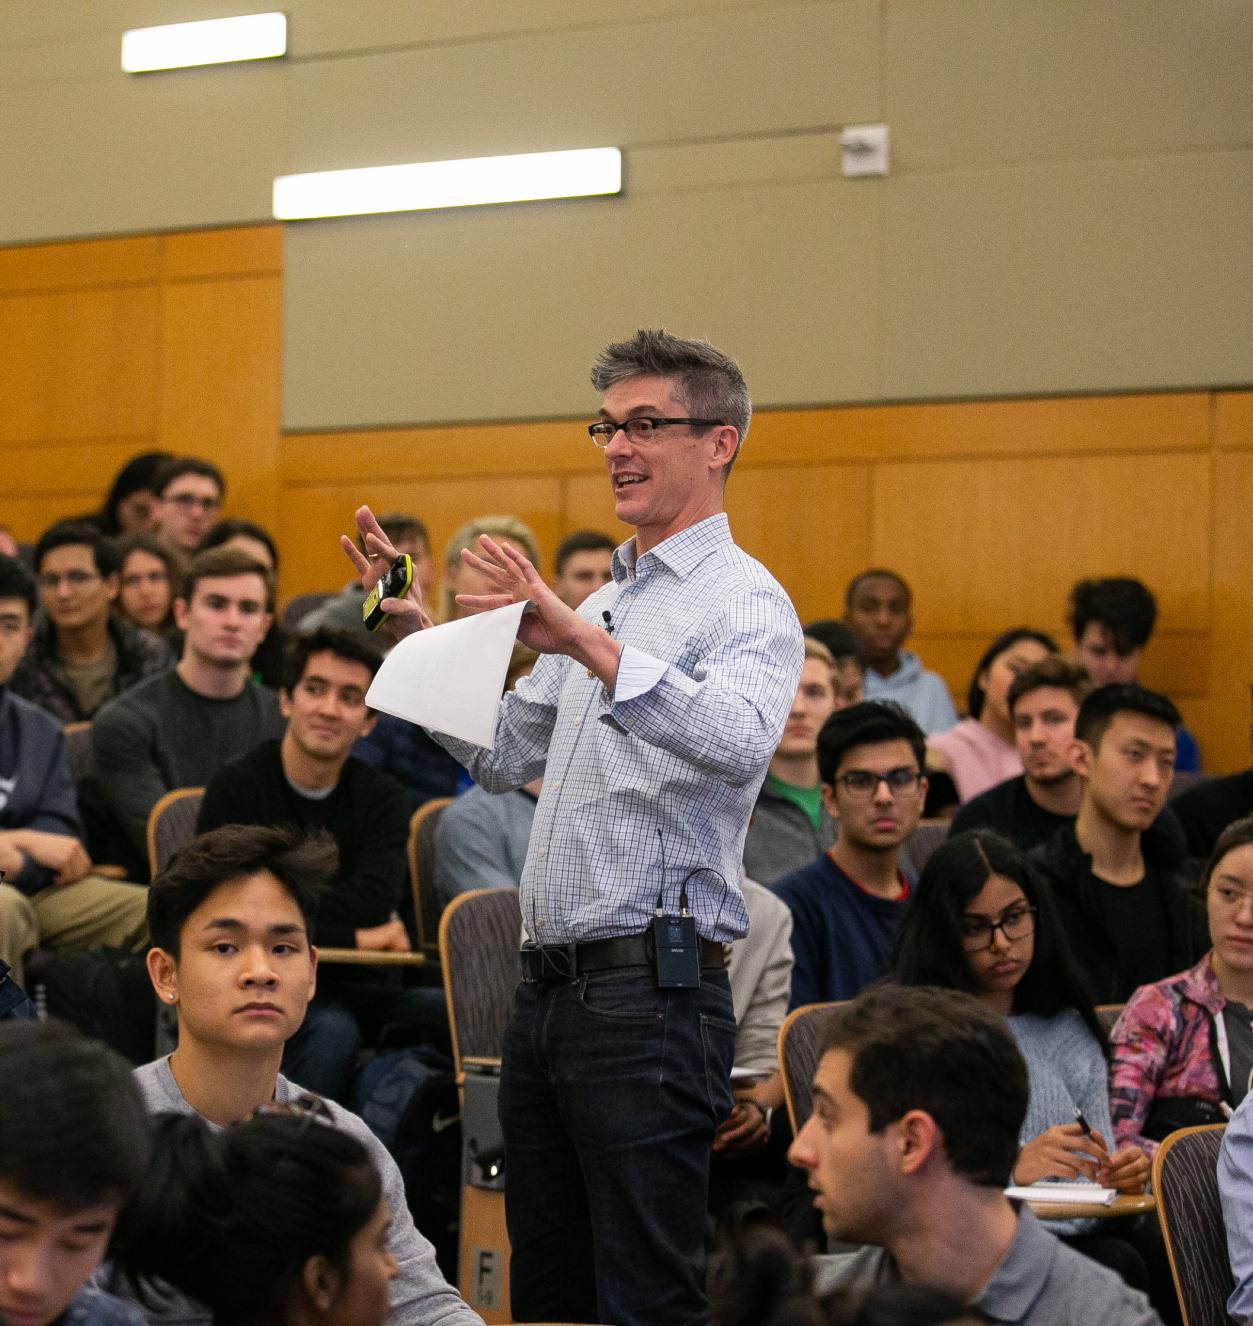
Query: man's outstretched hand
[
  {"x": 548, "y": 626},
  {"x": 404, "y": 616}
]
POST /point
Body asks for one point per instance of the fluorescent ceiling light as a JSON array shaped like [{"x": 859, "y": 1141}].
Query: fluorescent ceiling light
[
  {"x": 213, "y": 41},
  {"x": 526, "y": 177}
]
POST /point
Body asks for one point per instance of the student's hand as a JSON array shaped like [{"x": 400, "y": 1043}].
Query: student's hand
[
  {"x": 1061, "y": 1152},
  {"x": 1127, "y": 1170},
  {"x": 61, "y": 853},
  {"x": 390, "y": 937},
  {"x": 404, "y": 616},
  {"x": 744, "y": 1129},
  {"x": 11, "y": 858}
]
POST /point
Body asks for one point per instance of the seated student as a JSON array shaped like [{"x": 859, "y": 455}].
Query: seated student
[
  {"x": 979, "y": 752},
  {"x": 1125, "y": 902},
  {"x": 230, "y": 919},
  {"x": 81, "y": 655},
  {"x": 296, "y": 1237},
  {"x": 49, "y": 894},
  {"x": 309, "y": 780},
  {"x": 981, "y": 921},
  {"x": 847, "y": 904},
  {"x": 1235, "y": 1188},
  {"x": 74, "y": 1145},
  {"x": 253, "y": 539},
  {"x": 148, "y": 580},
  {"x": 877, "y": 610},
  {"x": 1028, "y": 809},
  {"x": 130, "y": 505},
  {"x": 1205, "y": 810},
  {"x": 919, "y": 1098},
  {"x": 407, "y": 534},
  {"x": 583, "y": 563},
  {"x": 1111, "y": 621},
  {"x": 180, "y": 728},
  {"x": 189, "y": 493},
  {"x": 790, "y": 825},
  {"x": 481, "y": 839},
  {"x": 1183, "y": 1048},
  {"x": 850, "y": 672}
]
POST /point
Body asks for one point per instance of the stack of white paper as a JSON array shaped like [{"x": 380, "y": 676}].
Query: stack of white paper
[{"x": 1046, "y": 1191}]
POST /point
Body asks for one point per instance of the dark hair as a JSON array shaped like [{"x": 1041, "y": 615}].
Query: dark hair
[
  {"x": 137, "y": 475},
  {"x": 582, "y": 540},
  {"x": 225, "y": 530},
  {"x": 305, "y": 867},
  {"x": 928, "y": 949},
  {"x": 1125, "y": 607},
  {"x": 837, "y": 638},
  {"x": 1239, "y": 833},
  {"x": 944, "y": 1052},
  {"x": 69, "y": 533},
  {"x": 1006, "y": 640},
  {"x": 1101, "y": 707},
  {"x": 349, "y": 645},
  {"x": 231, "y": 1218},
  {"x": 1053, "y": 672},
  {"x": 180, "y": 465},
  {"x": 73, "y": 1127},
  {"x": 867, "y": 723},
  {"x": 226, "y": 562},
  {"x": 855, "y": 583},
  {"x": 131, "y": 543},
  {"x": 16, "y": 582},
  {"x": 766, "y": 1282},
  {"x": 709, "y": 382}
]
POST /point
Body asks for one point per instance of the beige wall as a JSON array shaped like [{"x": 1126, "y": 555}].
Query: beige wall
[{"x": 1069, "y": 207}]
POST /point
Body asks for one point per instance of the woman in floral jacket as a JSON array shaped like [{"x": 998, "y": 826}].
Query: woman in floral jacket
[{"x": 1183, "y": 1047}]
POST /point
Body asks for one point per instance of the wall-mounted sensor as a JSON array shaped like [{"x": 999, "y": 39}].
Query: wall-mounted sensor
[{"x": 864, "y": 149}]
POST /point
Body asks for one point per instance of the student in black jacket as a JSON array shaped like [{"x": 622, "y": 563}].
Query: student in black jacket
[{"x": 1126, "y": 902}]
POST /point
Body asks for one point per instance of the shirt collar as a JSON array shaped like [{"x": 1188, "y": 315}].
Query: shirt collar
[
  {"x": 682, "y": 553},
  {"x": 1019, "y": 1280}
]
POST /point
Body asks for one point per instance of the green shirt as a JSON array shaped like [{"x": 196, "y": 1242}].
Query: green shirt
[{"x": 809, "y": 799}]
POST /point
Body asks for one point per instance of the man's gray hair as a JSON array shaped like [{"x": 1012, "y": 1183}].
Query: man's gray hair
[{"x": 710, "y": 383}]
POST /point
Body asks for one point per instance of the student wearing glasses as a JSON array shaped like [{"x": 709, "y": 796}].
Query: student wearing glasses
[
  {"x": 1183, "y": 1047},
  {"x": 189, "y": 493},
  {"x": 847, "y": 903},
  {"x": 981, "y": 921}
]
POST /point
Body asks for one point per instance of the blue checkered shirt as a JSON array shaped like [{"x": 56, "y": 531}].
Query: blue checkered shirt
[{"x": 654, "y": 784}]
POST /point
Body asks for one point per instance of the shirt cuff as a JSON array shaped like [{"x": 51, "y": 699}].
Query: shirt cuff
[{"x": 638, "y": 673}]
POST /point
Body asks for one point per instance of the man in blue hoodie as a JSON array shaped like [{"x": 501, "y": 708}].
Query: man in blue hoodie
[{"x": 877, "y": 609}]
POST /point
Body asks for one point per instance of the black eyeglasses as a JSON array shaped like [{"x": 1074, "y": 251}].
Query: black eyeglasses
[
  {"x": 978, "y": 932},
  {"x": 642, "y": 429},
  {"x": 863, "y": 783}
]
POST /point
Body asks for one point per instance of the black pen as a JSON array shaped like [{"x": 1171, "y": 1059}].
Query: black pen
[{"x": 1082, "y": 1122}]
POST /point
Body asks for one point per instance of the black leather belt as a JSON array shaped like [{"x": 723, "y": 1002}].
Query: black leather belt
[{"x": 563, "y": 962}]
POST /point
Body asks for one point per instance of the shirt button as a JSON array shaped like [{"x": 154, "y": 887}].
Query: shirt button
[
  {"x": 543, "y": 851},
  {"x": 557, "y": 786}
]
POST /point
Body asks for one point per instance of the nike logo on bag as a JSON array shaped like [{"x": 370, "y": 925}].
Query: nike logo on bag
[{"x": 438, "y": 1123}]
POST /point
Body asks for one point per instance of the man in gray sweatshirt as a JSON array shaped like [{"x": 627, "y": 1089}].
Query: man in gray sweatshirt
[{"x": 229, "y": 919}]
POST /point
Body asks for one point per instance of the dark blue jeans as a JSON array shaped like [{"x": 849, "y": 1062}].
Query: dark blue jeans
[{"x": 611, "y": 1090}]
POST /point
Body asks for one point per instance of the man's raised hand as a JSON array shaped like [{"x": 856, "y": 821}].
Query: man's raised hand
[{"x": 404, "y": 616}]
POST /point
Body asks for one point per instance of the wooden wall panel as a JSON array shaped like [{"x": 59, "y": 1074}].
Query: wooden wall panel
[
  {"x": 1232, "y": 669},
  {"x": 992, "y": 543}
]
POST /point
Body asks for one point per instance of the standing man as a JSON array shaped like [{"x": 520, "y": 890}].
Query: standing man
[{"x": 654, "y": 737}]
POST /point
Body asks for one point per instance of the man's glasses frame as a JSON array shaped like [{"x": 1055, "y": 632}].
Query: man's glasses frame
[
  {"x": 641, "y": 429},
  {"x": 862, "y": 784}
]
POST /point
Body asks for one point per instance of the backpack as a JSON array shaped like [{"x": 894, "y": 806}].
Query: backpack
[
  {"x": 106, "y": 994},
  {"x": 409, "y": 1100}
]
